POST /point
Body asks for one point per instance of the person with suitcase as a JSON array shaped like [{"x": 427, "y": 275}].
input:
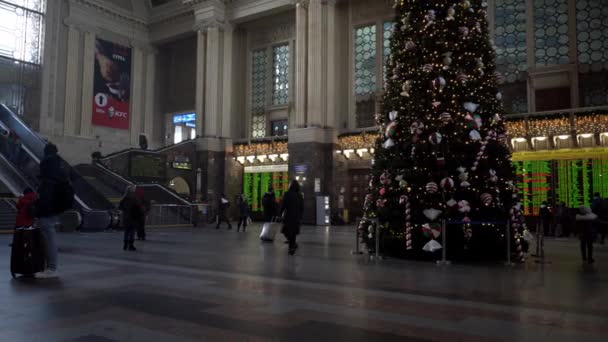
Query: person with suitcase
[
  {"x": 26, "y": 209},
  {"x": 55, "y": 196},
  {"x": 222, "y": 212},
  {"x": 292, "y": 210}
]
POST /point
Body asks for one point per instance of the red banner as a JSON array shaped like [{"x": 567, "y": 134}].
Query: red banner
[{"x": 112, "y": 85}]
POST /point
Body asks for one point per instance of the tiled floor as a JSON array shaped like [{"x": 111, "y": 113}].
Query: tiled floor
[{"x": 209, "y": 285}]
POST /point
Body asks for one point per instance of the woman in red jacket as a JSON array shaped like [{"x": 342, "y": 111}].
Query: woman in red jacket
[{"x": 25, "y": 206}]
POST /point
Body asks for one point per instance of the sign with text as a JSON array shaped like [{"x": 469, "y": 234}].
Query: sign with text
[
  {"x": 266, "y": 168},
  {"x": 183, "y": 118},
  {"x": 147, "y": 167},
  {"x": 112, "y": 85}
]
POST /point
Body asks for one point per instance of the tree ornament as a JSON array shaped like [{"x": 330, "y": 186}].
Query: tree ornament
[
  {"x": 450, "y": 14},
  {"x": 431, "y": 230},
  {"x": 427, "y": 67},
  {"x": 500, "y": 79},
  {"x": 393, "y": 115},
  {"x": 430, "y": 17},
  {"x": 388, "y": 143},
  {"x": 493, "y": 177},
  {"x": 499, "y": 96},
  {"x": 416, "y": 127},
  {"x": 466, "y": 4},
  {"x": 464, "y": 206},
  {"x": 381, "y": 203},
  {"x": 385, "y": 179},
  {"x": 502, "y": 139},
  {"x": 382, "y": 191},
  {"x": 465, "y": 184},
  {"x": 447, "y": 184},
  {"x": 462, "y": 77},
  {"x": 402, "y": 199},
  {"x": 410, "y": 46},
  {"x": 407, "y": 86},
  {"x": 440, "y": 161},
  {"x": 439, "y": 83},
  {"x": 436, "y": 104},
  {"x": 451, "y": 203},
  {"x": 475, "y": 122},
  {"x": 432, "y": 214},
  {"x": 486, "y": 199},
  {"x": 474, "y": 135},
  {"x": 403, "y": 184},
  {"x": 431, "y": 187},
  {"x": 445, "y": 117},
  {"x": 432, "y": 246},
  {"x": 391, "y": 130},
  {"x": 478, "y": 26},
  {"x": 464, "y": 31},
  {"x": 435, "y": 138},
  {"x": 471, "y": 107},
  {"x": 447, "y": 60}
]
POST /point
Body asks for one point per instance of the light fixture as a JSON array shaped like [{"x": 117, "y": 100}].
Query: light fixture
[
  {"x": 273, "y": 157},
  {"x": 372, "y": 150},
  {"x": 361, "y": 151},
  {"x": 261, "y": 158},
  {"x": 563, "y": 137},
  {"x": 241, "y": 159},
  {"x": 338, "y": 152},
  {"x": 520, "y": 140},
  {"x": 586, "y": 135},
  {"x": 250, "y": 159},
  {"x": 347, "y": 153},
  {"x": 284, "y": 156},
  {"x": 540, "y": 138}
]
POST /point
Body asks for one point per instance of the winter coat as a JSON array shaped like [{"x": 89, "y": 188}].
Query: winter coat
[
  {"x": 243, "y": 208},
  {"x": 223, "y": 206},
  {"x": 586, "y": 222},
  {"x": 270, "y": 205},
  {"x": 292, "y": 209},
  {"x": 24, "y": 210},
  {"x": 133, "y": 213},
  {"x": 51, "y": 173}
]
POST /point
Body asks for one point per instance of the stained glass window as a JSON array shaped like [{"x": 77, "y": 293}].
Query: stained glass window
[
  {"x": 365, "y": 60},
  {"x": 592, "y": 34},
  {"x": 258, "y": 93},
  {"x": 280, "y": 74},
  {"x": 551, "y": 32},
  {"x": 387, "y": 33},
  {"x": 21, "y": 29},
  {"x": 510, "y": 39}
]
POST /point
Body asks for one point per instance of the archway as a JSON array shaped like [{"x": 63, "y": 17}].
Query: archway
[{"x": 180, "y": 186}]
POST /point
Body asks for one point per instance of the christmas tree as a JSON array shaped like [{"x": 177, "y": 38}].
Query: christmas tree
[{"x": 442, "y": 152}]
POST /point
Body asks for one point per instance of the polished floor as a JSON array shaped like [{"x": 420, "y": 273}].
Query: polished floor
[{"x": 219, "y": 285}]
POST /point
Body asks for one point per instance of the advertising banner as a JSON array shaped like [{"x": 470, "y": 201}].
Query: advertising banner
[{"x": 112, "y": 85}]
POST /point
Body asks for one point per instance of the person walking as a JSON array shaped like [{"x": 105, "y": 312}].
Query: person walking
[
  {"x": 133, "y": 212},
  {"x": 222, "y": 211},
  {"x": 292, "y": 210},
  {"x": 269, "y": 204},
  {"x": 563, "y": 219},
  {"x": 546, "y": 216},
  {"x": 586, "y": 224},
  {"x": 145, "y": 208},
  {"x": 53, "y": 179},
  {"x": 598, "y": 207},
  {"x": 243, "y": 213}
]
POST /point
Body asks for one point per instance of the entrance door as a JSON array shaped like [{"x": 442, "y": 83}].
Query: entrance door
[{"x": 358, "y": 181}]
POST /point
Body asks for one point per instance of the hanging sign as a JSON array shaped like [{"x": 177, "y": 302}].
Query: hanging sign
[{"x": 111, "y": 85}]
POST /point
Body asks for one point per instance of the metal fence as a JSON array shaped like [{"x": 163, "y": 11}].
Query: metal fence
[{"x": 170, "y": 214}]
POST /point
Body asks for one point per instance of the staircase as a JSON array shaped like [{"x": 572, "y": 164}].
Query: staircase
[
  {"x": 112, "y": 191},
  {"x": 8, "y": 214}
]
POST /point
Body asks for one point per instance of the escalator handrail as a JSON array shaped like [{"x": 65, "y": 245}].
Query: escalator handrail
[
  {"x": 109, "y": 171},
  {"x": 133, "y": 149},
  {"x": 16, "y": 192}
]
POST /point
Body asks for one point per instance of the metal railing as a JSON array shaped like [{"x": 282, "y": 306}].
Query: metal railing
[{"x": 170, "y": 215}]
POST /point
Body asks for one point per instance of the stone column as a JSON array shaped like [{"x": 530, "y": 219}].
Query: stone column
[
  {"x": 201, "y": 47},
  {"x": 228, "y": 95},
  {"x": 88, "y": 66},
  {"x": 213, "y": 81},
  {"x": 137, "y": 95},
  {"x": 150, "y": 94},
  {"x": 71, "y": 82},
  {"x": 331, "y": 69},
  {"x": 317, "y": 64},
  {"x": 301, "y": 64}
]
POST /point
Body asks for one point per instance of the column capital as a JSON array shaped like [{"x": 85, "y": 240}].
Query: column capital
[
  {"x": 80, "y": 26},
  {"x": 205, "y": 25},
  {"x": 301, "y": 3}
]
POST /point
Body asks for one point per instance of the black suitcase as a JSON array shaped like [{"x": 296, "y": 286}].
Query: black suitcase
[{"x": 27, "y": 255}]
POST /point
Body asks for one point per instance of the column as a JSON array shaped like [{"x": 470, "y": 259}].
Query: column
[
  {"x": 150, "y": 94},
  {"x": 301, "y": 61},
  {"x": 228, "y": 97},
  {"x": 213, "y": 86},
  {"x": 71, "y": 82},
  {"x": 137, "y": 94},
  {"x": 201, "y": 45},
  {"x": 317, "y": 51},
  {"x": 332, "y": 67},
  {"x": 88, "y": 65}
]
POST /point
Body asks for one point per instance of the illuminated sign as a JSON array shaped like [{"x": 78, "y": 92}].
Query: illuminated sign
[
  {"x": 191, "y": 125},
  {"x": 183, "y": 118}
]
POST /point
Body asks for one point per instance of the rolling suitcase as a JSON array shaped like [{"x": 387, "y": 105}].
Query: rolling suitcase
[
  {"x": 270, "y": 230},
  {"x": 27, "y": 254}
]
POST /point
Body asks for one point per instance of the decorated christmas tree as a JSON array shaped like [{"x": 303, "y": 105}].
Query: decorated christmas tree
[{"x": 441, "y": 152}]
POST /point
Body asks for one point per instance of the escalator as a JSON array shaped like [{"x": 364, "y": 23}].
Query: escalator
[{"x": 95, "y": 209}]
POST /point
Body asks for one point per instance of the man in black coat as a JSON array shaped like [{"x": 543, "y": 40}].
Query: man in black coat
[
  {"x": 51, "y": 175},
  {"x": 222, "y": 212},
  {"x": 292, "y": 210},
  {"x": 269, "y": 203}
]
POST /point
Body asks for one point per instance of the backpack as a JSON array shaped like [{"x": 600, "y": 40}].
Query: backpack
[{"x": 64, "y": 196}]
